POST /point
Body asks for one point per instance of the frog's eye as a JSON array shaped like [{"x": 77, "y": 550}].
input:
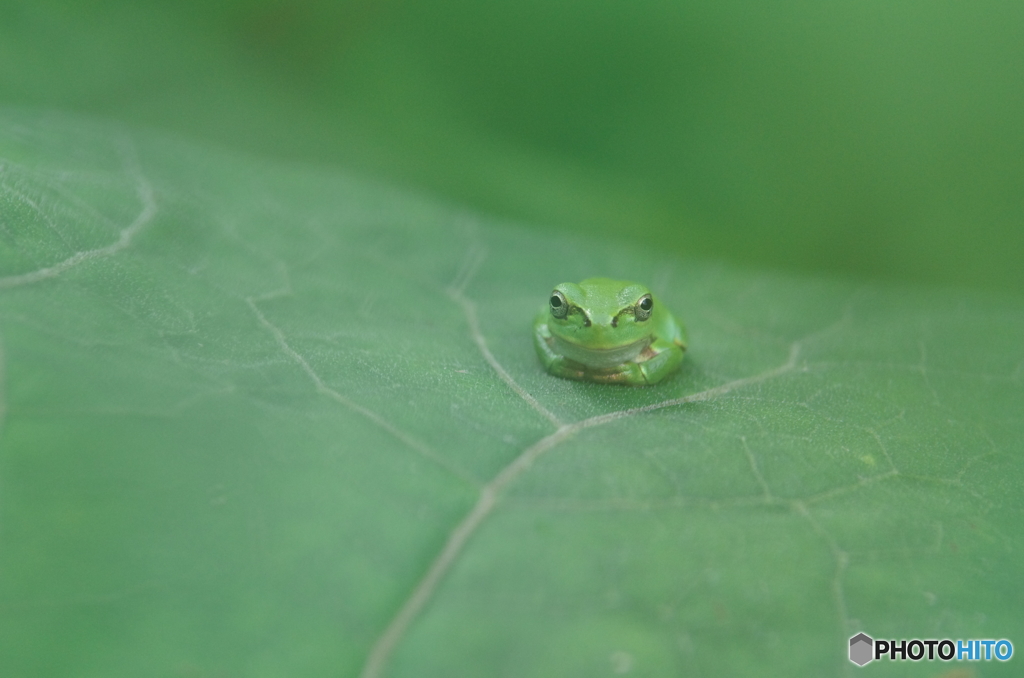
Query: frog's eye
[
  {"x": 644, "y": 307},
  {"x": 559, "y": 306}
]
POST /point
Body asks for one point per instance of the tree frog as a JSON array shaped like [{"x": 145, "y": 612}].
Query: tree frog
[{"x": 608, "y": 331}]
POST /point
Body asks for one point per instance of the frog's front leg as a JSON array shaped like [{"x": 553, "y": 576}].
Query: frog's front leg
[
  {"x": 666, "y": 359},
  {"x": 554, "y": 363}
]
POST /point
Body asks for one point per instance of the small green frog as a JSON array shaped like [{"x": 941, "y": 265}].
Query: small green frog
[{"x": 608, "y": 331}]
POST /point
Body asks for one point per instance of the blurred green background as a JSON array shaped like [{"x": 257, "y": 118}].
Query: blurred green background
[{"x": 880, "y": 139}]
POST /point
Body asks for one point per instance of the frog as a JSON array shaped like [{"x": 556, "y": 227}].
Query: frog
[{"x": 610, "y": 332}]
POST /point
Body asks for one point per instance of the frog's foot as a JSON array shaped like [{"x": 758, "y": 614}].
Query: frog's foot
[
  {"x": 663, "y": 362},
  {"x": 640, "y": 373},
  {"x": 567, "y": 369},
  {"x": 628, "y": 374}
]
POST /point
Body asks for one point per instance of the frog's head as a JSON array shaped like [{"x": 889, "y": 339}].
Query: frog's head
[{"x": 601, "y": 314}]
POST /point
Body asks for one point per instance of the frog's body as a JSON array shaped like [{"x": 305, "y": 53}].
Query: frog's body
[{"x": 608, "y": 331}]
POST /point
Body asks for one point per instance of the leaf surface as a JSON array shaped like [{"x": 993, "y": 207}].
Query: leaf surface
[{"x": 259, "y": 417}]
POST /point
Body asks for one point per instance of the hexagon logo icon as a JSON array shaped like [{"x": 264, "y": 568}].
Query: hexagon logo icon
[{"x": 860, "y": 649}]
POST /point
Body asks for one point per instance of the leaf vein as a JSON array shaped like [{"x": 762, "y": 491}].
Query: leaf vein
[
  {"x": 144, "y": 191},
  {"x": 490, "y": 494},
  {"x": 334, "y": 395}
]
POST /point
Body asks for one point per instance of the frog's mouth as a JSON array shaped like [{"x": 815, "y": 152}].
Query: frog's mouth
[{"x": 600, "y": 358}]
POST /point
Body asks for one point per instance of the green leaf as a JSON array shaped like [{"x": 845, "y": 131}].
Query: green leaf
[
  {"x": 866, "y": 138},
  {"x": 274, "y": 420}
]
